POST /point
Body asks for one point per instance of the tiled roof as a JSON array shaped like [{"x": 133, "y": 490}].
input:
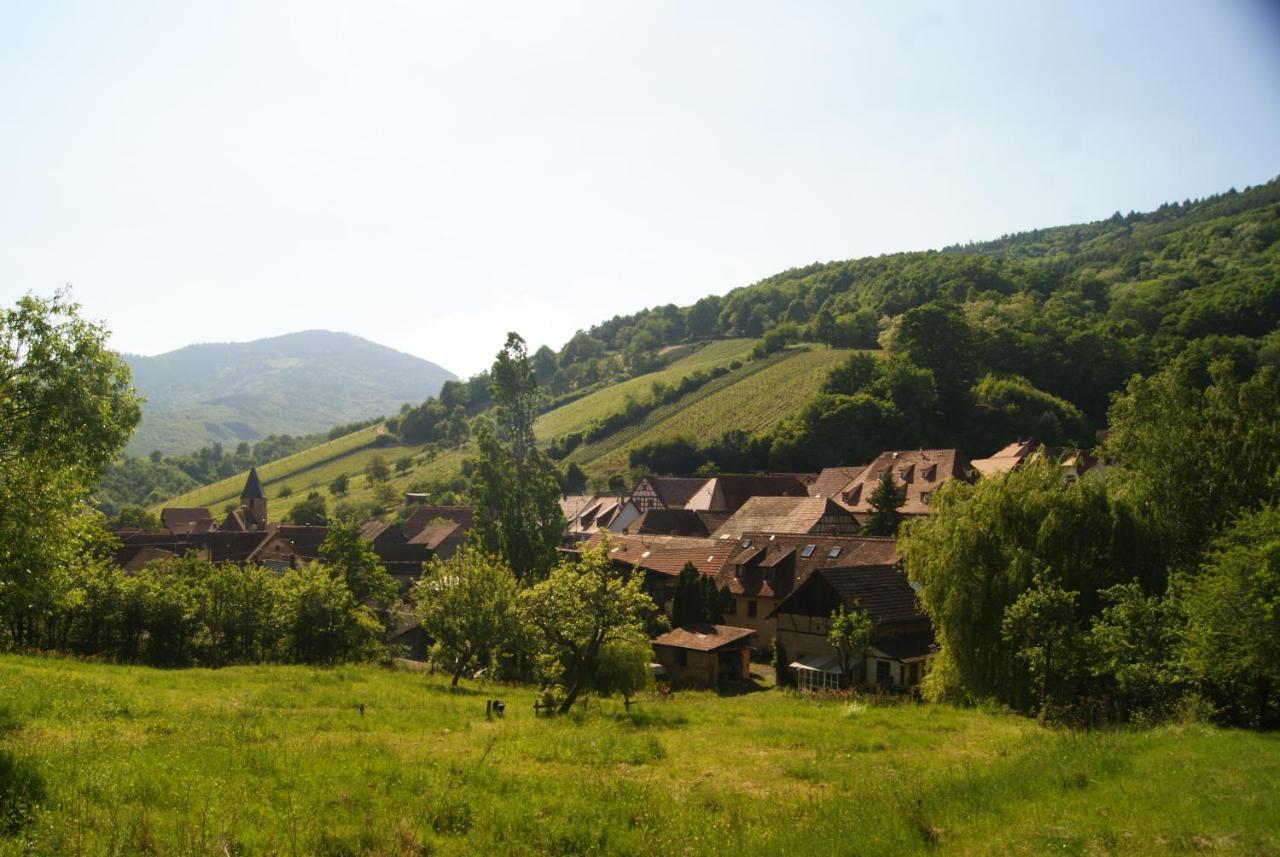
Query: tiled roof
[
  {"x": 787, "y": 561},
  {"x": 433, "y": 535},
  {"x": 178, "y": 519},
  {"x": 778, "y": 515},
  {"x": 703, "y": 637},
  {"x": 675, "y": 491},
  {"x": 920, "y": 470},
  {"x": 664, "y": 554},
  {"x": 832, "y": 479},
  {"x": 423, "y": 515},
  {"x": 306, "y": 540},
  {"x": 728, "y": 492},
  {"x": 670, "y": 522},
  {"x": 1005, "y": 459},
  {"x": 883, "y": 592}
]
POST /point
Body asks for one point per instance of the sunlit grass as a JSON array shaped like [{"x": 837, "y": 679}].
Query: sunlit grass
[{"x": 365, "y": 760}]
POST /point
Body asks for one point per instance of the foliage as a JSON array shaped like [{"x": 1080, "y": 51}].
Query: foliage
[
  {"x": 466, "y": 604},
  {"x": 622, "y": 668},
  {"x": 377, "y": 470},
  {"x": 514, "y": 488},
  {"x": 1231, "y": 647},
  {"x": 310, "y": 511},
  {"x": 696, "y": 598},
  {"x": 1043, "y": 630},
  {"x": 886, "y": 499},
  {"x": 576, "y": 611},
  {"x": 1197, "y": 456},
  {"x": 849, "y": 634},
  {"x": 353, "y": 561},
  {"x": 134, "y": 517},
  {"x": 983, "y": 548},
  {"x": 66, "y": 408},
  {"x": 322, "y": 621},
  {"x": 338, "y": 487}
]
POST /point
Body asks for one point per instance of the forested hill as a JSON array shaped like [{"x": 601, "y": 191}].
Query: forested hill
[{"x": 296, "y": 384}]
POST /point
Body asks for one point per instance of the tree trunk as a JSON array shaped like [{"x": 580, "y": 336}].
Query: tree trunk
[{"x": 457, "y": 670}]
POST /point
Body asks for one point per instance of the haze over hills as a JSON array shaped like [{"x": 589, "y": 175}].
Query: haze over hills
[{"x": 298, "y": 383}]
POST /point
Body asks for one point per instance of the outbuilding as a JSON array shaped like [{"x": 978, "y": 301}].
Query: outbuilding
[{"x": 705, "y": 655}]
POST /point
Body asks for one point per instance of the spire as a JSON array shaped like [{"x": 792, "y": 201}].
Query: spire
[{"x": 253, "y": 487}]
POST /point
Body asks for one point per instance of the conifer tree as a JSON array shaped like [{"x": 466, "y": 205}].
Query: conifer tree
[{"x": 886, "y": 499}]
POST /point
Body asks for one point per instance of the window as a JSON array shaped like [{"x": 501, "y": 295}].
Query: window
[
  {"x": 682, "y": 658},
  {"x": 751, "y": 610},
  {"x": 746, "y": 543},
  {"x": 808, "y": 551},
  {"x": 882, "y": 673},
  {"x": 833, "y": 553}
]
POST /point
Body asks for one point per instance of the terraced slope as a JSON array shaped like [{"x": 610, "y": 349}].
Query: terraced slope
[
  {"x": 337, "y": 455},
  {"x": 753, "y": 397}
]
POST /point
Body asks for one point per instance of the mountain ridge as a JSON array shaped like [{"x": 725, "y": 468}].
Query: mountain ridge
[{"x": 294, "y": 383}]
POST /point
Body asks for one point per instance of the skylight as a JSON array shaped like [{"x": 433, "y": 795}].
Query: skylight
[
  {"x": 808, "y": 551},
  {"x": 833, "y": 553}
]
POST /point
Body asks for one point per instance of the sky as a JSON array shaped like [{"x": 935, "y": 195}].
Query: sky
[{"x": 430, "y": 176}]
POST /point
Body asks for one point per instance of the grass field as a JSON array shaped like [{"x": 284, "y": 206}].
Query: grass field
[{"x": 371, "y": 761}]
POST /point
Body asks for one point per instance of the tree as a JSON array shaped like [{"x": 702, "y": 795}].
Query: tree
[
  {"x": 1196, "y": 456},
  {"x": 886, "y": 498},
  {"x": 937, "y": 337},
  {"x": 575, "y": 480},
  {"x": 321, "y": 621},
  {"x": 134, "y": 517},
  {"x": 467, "y": 605},
  {"x": 623, "y": 668},
  {"x": 849, "y": 633},
  {"x": 1231, "y": 645},
  {"x": 514, "y": 488},
  {"x": 983, "y": 546},
  {"x": 338, "y": 487},
  {"x": 311, "y": 511},
  {"x": 376, "y": 470},
  {"x": 353, "y": 561},
  {"x": 66, "y": 409},
  {"x": 578, "y": 610},
  {"x": 695, "y": 599},
  {"x": 1042, "y": 627}
]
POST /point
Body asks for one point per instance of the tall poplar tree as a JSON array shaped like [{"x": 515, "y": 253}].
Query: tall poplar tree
[{"x": 514, "y": 488}]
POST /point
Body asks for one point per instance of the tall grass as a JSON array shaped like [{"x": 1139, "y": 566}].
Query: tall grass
[{"x": 364, "y": 760}]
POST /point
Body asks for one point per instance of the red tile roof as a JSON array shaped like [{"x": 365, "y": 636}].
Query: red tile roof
[
  {"x": 664, "y": 554},
  {"x": 781, "y": 515},
  {"x": 921, "y": 471}
]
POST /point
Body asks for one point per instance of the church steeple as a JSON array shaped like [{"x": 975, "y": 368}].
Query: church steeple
[{"x": 254, "y": 500}]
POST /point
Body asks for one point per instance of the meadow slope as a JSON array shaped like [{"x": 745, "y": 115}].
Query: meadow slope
[{"x": 372, "y": 761}]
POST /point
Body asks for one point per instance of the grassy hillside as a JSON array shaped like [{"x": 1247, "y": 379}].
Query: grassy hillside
[
  {"x": 364, "y": 760},
  {"x": 752, "y": 397}
]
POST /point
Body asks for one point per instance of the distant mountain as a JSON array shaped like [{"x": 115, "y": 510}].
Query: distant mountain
[{"x": 298, "y": 383}]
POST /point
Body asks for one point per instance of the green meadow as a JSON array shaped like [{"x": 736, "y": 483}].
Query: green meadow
[{"x": 367, "y": 760}]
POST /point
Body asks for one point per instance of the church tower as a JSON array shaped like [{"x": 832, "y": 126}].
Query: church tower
[{"x": 254, "y": 501}]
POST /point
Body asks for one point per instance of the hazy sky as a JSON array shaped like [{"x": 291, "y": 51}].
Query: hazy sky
[{"x": 430, "y": 176}]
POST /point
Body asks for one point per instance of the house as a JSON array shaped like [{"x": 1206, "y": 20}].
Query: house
[
  {"x": 443, "y": 538},
  {"x": 764, "y": 568},
  {"x": 380, "y": 533},
  {"x": 729, "y": 492},
  {"x": 1006, "y": 458},
  {"x": 423, "y": 515},
  {"x": 133, "y": 558},
  {"x": 1074, "y": 463},
  {"x": 705, "y": 655},
  {"x": 660, "y": 558},
  {"x": 902, "y": 637},
  {"x": 590, "y": 513},
  {"x": 920, "y": 472},
  {"x": 665, "y": 492},
  {"x": 798, "y": 515}
]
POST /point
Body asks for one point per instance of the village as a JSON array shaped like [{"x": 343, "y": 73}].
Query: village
[{"x": 784, "y": 550}]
